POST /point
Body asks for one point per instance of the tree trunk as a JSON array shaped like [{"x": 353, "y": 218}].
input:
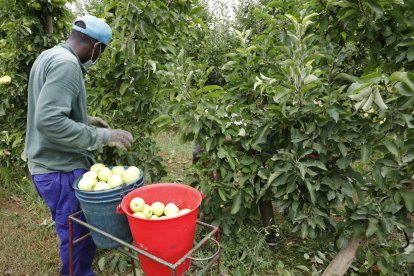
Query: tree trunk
[
  {"x": 268, "y": 219},
  {"x": 49, "y": 24},
  {"x": 343, "y": 260}
]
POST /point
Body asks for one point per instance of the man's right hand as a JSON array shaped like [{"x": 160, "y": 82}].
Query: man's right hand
[{"x": 121, "y": 139}]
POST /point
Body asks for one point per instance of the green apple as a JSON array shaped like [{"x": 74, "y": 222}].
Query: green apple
[
  {"x": 137, "y": 204},
  {"x": 173, "y": 214},
  {"x": 90, "y": 174},
  {"x": 139, "y": 215},
  {"x": 104, "y": 174},
  {"x": 147, "y": 211},
  {"x": 184, "y": 211},
  {"x": 131, "y": 174},
  {"x": 87, "y": 184},
  {"x": 154, "y": 217},
  {"x": 171, "y": 208},
  {"x": 5, "y": 80},
  {"x": 157, "y": 208},
  {"x": 118, "y": 169},
  {"x": 115, "y": 180},
  {"x": 96, "y": 167},
  {"x": 101, "y": 186}
]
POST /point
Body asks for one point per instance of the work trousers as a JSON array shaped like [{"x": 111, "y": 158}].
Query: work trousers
[{"x": 57, "y": 192}]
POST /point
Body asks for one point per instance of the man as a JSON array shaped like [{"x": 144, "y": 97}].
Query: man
[{"x": 60, "y": 137}]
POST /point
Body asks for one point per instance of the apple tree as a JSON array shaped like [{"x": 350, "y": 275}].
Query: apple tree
[
  {"x": 26, "y": 29},
  {"x": 125, "y": 88},
  {"x": 314, "y": 120}
]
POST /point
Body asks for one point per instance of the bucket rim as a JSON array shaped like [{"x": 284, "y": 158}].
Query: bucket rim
[
  {"x": 105, "y": 192},
  {"x": 151, "y": 186}
]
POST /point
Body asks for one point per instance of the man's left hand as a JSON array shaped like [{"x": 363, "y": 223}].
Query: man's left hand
[{"x": 98, "y": 122}]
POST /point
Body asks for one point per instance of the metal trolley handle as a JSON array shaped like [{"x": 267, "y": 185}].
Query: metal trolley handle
[{"x": 209, "y": 257}]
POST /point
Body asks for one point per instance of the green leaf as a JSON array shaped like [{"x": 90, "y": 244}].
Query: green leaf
[
  {"x": 208, "y": 88},
  {"x": 343, "y": 149},
  {"x": 379, "y": 12},
  {"x": 404, "y": 77},
  {"x": 311, "y": 191},
  {"x": 153, "y": 65},
  {"x": 123, "y": 87},
  {"x": 343, "y": 163},
  {"x": 222, "y": 194},
  {"x": 376, "y": 173},
  {"x": 392, "y": 147},
  {"x": 101, "y": 263},
  {"x": 221, "y": 153},
  {"x": 365, "y": 153},
  {"x": 235, "y": 207},
  {"x": 408, "y": 200},
  {"x": 302, "y": 267},
  {"x": 334, "y": 114},
  {"x": 372, "y": 227},
  {"x": 341, "y": 242},
  {"x": 196, "y": 10},
  {"x": 370, "y": 258}
]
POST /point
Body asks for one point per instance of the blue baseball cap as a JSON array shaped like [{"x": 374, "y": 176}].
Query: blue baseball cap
[{"x": 95, "y": 28}]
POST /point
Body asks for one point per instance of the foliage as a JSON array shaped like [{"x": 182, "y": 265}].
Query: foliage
[
  {"x": 24, "y": 32},
  {"x": 127, "y": 90},
  {"x": 301, "y": 106}
]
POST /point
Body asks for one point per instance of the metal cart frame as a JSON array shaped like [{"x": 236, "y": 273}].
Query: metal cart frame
[{"x": 132, "y": 251}]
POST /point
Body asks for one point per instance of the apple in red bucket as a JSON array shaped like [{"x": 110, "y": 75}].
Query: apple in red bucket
[
  {"x": 158, "y": 208},
  {"x": 137, "y": 204}
]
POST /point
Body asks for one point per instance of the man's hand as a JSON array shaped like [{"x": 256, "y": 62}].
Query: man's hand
[
  {"x": 98, "y": 122},
  {"x": 121, "y": 139}
]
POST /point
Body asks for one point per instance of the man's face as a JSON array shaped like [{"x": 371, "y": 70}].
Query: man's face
[{"x": 96, "y": 50}]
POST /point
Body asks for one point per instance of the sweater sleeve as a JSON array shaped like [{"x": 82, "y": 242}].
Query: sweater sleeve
[{"x": 52, "y": 117}]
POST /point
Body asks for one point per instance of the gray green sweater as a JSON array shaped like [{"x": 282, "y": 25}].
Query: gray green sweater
[{"x": 58, "y": 138}]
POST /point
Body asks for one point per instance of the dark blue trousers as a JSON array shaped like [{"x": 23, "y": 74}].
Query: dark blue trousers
[{"x": 57, "y": 192}]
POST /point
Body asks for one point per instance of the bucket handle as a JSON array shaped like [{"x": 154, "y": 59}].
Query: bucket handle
[
  {"x": 209, "y": 257},
  {"x": 119, "y": 210}
]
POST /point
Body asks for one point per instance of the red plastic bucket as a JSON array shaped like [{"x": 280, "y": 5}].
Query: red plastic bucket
[{"x": 171, "y": 238}]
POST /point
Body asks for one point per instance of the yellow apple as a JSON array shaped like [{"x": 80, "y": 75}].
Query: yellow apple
[
  {"x": 139, "y": 215},
  {"x": 87, "y": 184},
  {"x": 90, "y": 174},
  {"x": 101, "y": 186},
  {"x": 157, "y": 208},
  {"x": 104, "y": 174},
  {"x": 118, "y": 169},
  {"x": 131, "y": 174},
  {"x": 171, "y": 208},
  {"x": 115, "y": 180},
  {"x": 137, "y": 204},
  {"x": 96, "y": 167},
  {"x": 147, "y": 211},
  {"x": 184, "y": 211}
]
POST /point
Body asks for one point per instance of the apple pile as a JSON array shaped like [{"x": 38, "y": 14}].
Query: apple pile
[
  {"x": 156, "y": 210},
  {"x": 100, "y": 177}
]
